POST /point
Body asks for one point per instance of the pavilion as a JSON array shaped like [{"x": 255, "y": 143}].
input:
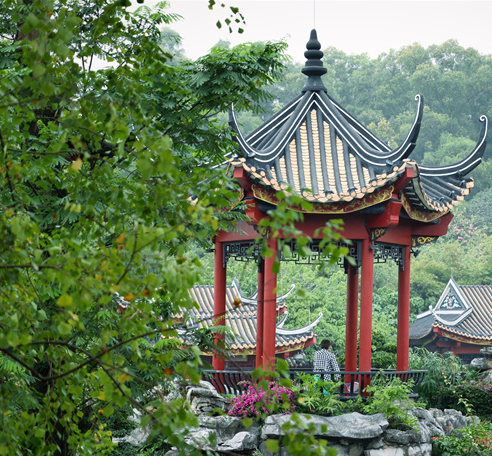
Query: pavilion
[
  {"x": 460, "y": 322},
  {"x": 389, "y": 204}
]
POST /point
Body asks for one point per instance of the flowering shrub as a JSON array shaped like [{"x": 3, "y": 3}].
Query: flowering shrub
[
  {"x": 479, "y": 394},
  {"x": 257, "y": 403},
  {"x": 444, "y": 373},
  {"x": 473, "y": 440}
]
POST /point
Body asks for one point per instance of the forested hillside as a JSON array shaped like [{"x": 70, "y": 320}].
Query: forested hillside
[{"x": 456, "y": 84}]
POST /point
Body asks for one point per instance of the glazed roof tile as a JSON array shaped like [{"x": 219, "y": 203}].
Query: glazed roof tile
[
  {"x": 241, "y": 319},
  {"x": 463, "y": 311},
  {"x": 315, "y": 148}
]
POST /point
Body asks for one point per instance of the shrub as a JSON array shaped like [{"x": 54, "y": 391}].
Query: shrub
[
  {"x": 314, "y": 395},
  {"x": 473, "y": 440},
  {"x": 260, "y": 401},
  {"x": 478, "y": 394},
  {"x": 390, "y": 397},
  {"x": 445, "y": 373}
]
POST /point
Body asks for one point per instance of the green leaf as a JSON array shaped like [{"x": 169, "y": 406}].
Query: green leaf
[
  {"x": 65, "y": 300},
  {"x": 247, "y": 422},
  {"x": 272, "y": 445}
]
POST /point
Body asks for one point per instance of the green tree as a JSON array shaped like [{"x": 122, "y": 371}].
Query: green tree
[{"x": 97, "y": 170}]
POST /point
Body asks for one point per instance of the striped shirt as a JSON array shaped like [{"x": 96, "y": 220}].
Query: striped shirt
[{"x": 325, "y": 360}]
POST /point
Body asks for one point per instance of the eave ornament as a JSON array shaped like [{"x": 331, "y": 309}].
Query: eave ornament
[{"x": 372, "y": 199}]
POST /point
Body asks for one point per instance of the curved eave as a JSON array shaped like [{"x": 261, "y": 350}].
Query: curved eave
[
  {"x": 465, "y": 166},
  {"x": 304, "y": 329},
  {"x": 259, "y": 137},
  {"x": 437, "y": 193},
  {"x": 421, "y": 328},
  {"x": 277, "y": 132},
  {"x": 253, "y": 300},
  {"x": 283, "y": 343}
]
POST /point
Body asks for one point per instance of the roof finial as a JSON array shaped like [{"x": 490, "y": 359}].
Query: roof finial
[{"x": 314, "y": 68}]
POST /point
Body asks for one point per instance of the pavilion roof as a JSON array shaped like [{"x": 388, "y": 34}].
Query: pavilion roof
[
  {"x": 241, "y": 319},
  {"x": 463, "y": 312},
  {"x": 315, "y": 148}
]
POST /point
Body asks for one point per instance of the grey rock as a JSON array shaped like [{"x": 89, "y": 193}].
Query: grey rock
[
  {"x": 356, "y": 449},
  {"x": 430, "y": 428},
  {"x": 228, "y": 426},
  {"x": 376, "y": 444},
  {"x": 424, "y": 449},
  {"x": 487, "y": 376},
  {"x": 486, "y": 351},
  {"x": 421, "y": 414},
  {"x": 436, "y": 413},
  {"x": 401, "y": 437},
  {"x": 424, "y": 433},
  {"x": 481, "y": 363},
  {"x": 386, "y": 451},
  {"x": 352, "y": 426},
  {"x": 137, "y": 437},
  {"x": 200, "y": 438},
  {"x": 209, "y": 422},
  {"x": 242, "y": 441},
  {"x": 454, "y": 419},
  {"x": 351, "y": 435},
  {"x": 204, "y": 399}
]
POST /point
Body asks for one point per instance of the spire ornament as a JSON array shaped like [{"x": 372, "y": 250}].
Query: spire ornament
[{"x": 314, "y": 68}]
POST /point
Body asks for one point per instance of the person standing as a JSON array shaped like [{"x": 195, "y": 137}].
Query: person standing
[{"x": 324, "y": 360}]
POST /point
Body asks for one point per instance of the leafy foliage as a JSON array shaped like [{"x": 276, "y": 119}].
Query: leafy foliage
[
  {"x": 315, "y": 395},
  {"x": 478, "y": 394},
  {"x": 390, "y": 397},
  {"x": 97, "y": 171},
  {"x": 445, "y": 373},
  {"x": 470, "y": 440}
]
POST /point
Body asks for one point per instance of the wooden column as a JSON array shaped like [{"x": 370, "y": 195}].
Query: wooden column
[
  {"x": 220, "y": 277},
  {"x": 351, "y": 323},
  {"x": 270, "y": 310},
  {"x": 366, "y": 286},
  {"x": 403, "y": 336},
  {"x": 260, "y": 312}
]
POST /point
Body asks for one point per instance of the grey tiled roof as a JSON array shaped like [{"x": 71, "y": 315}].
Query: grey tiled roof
[
  {"x": 241, "y": 318},
  {"x": 463, "y": 312}
]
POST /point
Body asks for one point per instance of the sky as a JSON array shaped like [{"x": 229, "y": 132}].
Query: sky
[{"x": 353, "y": 26}]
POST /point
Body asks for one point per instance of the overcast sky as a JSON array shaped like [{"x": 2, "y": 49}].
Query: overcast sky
[{"x": 353, "y": 26}]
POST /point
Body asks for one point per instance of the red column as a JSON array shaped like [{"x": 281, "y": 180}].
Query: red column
[
  {"x": 220, "y": 277},
  {"x": 260, "y": 312},
  {"x": 351, "y": 320},
  {"x": 403, "y": 336},
  {"x": 366, "y": 285},
  {"x": 270, "y": 310}
]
